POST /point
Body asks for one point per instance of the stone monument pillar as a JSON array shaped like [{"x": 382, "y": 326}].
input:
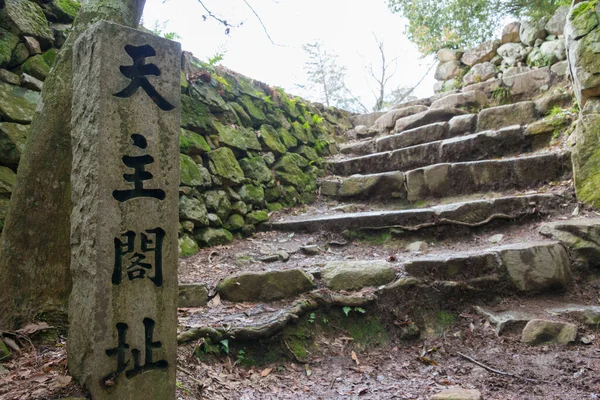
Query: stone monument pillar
[{"x": 125, "y": 139}]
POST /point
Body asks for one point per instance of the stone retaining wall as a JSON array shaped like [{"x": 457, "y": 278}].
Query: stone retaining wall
[{"x": 246, "y": 148}]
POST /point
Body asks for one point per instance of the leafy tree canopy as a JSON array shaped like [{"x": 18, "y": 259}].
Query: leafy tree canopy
[{"x": 434, "y": 24}]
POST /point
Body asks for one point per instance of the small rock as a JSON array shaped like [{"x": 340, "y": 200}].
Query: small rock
[
  {"x": 32, "y": 45},
  {"x": 417, "y": 246},
  {"x": 496, "y": 238},
  {"x": 354, "y": 275},
  {"x": 539, "y": 331},
  {"x": 410, "y": 332},
  {"x": 588, "y": 339},
  {"x": 29, "y": 82},
  {"x": 458, "y": 394},
  {"x": 192, "y": 295},
  {"x": 283, "y": 255},
  {"x": 310, "y": 250},
  {"x": 269, "y": 259}
]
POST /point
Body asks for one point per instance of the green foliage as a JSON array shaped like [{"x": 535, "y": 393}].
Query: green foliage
[
  {"x": 347, "y": 310},
  {"x": 435, "y": 24},
  {"x": 501, "y": 94},
  {"x": 583, "y": 8},
  {"x": 311, "y": 318},
  {"x": 316, "y": 119}
]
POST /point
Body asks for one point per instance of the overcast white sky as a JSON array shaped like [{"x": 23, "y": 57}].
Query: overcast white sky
[{"x": 343, "y": 26}]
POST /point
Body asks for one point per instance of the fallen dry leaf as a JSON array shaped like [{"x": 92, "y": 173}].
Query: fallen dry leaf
[
  {"x": 355, "y": 358},
  {"x": 265, "y": 372}
]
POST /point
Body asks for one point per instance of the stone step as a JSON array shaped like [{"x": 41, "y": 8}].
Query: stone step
[
  {"x": 445, "y": 180},
  {"x": 470, "y": 213},
  {"x": 508, "y": 141}
]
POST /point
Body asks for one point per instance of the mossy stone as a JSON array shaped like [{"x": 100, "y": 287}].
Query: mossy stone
[
  {"x": 209, "y": 96},
  {"x": 13, "y": 138},
  {"x": 194, "y": 210},
  {"x": 49, "y": 56},
  {"x": 252, "y": 194},
  {"x": 217, "y": 201},
  {"x": 229, "y": 136},
  {"x": 270, "y": 138},
  {"x": 190, "y": 172},
  {"x": 235, "y": 222},
  {"x": 222, "y": 163},
  {"x": 8, "y": 180},
  {"x": 8, "y": 43},
  {"x": 214, "y": 221},
  {"x": 196, "y": 116},
  {"x": 256, "y": 114},
  {"x": 4, "y": 206},
  {"x": 355, "y": 275},
  {"x": 255, "y": 168},
  {"x": 273, "y": 194},
  {"x": 187, "y": 226},
  {"x": 239, "y": 207},
  {"x": 583, "y": 19},
  {"x": 192, "y": 143},
  {"x": 250, "y": 138},
  {"x": 299, "y": 132},
  {"x": 19, "y": 56},
  {"x": 265, "y": 286},
  {"x": 287, "y": 138},
  {"x": 187, "y": 246},
  {"x": 241, "y": 114},
  {"x": 4, "y": 351},
  {"x": 290, "y": 196},
  {"x": 586, "y": 160},
  {"x": 274, "y": 207},
  {"x": 65, "y": 10},
  {"x": 18, "y": 104},
  {"x": 257, "y": 217},
  {"x": 208, "y": 237},
  {"x": 183, "y": 82},
  {"x": 289, "y": 171},
  {"x": 291, "y": 162},
  {"x": 308, "y": 152},
  {"x": 26, "y": 18}
]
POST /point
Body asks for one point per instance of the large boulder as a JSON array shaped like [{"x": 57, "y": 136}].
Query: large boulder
[
  {"x": 18, "y": 104},
  {"x": 586, "y": 158},
  {"x": 354, "y": 275},
  {"x": 510, "y": 33},
  {"x": 187, "y": 246},
  {"x": 536, "y": 267},
  {"x": 192, "y": 295},
  {"x": 539, "y": 331},
  {"x": 554, "y": 51},
  {"x": 528, "y": 82},
  {"x": 26, "y": 18},
  {"x": 482, "y": 53},
  {"x": 556, "y": 24},
  {"x": 447, "y": 55},
  {"x": 209, "y": 237},
  {"x": 447, "y": 70},
  {"x": 582, "y": 19},
  {"x": 512, "y": 53},
  {"x": 581, "y": 236},
  {"x": 265, "y": 286},
  {"x": 584, "y": 60},
  {"x": 480, "y": 73},
  {"x": 192, "y": 143},
  {"x": 530, "y": 31},
  {"x": 217, "y": 201}
]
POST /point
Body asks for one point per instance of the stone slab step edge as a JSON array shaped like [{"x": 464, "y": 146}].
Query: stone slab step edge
[
  {"x": 478, "y": 146},
  {"x": 452, "y": 179},
  {"x": 470, "y": 213}
]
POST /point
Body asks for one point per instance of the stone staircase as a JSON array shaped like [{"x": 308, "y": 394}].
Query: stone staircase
[{"x": 427, "y": 210}]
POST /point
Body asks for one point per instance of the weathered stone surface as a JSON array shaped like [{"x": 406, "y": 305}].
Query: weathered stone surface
[
  {"x": 192, "y": 295},
  {"x": 18, "y": 104},
  {"x": 458, "y": 394},
  {"x": 115, "y": 300},
  {"x": 29, "y": 82},
  {"x": 512, "y": 71},
  {"x": 256, "y": 168},
  {"x": 471, "y": 212},
  {"x": 363, "y": 147},
  {"x": 192, "y": 143},
  {"x": 9, "y": 77},
  {"x": 536, "y": 267},
  {"x": 480, "y": 73},
  {"x": 36, "y": 66},
  {"x": 329, "y": 187},
  {"x": 385, "y": 184},
  {"x": 222, "y": 162},
  {"x": 581, "y": 20},
  {"x": 12, "y": 142},
  {"x": 482, "y": 53},
  {"x": 554, "y": 51},
  {"x": 560, "y": 68},
  {"x": 462, "y": 124},
  {"x": 367, "y": 119},
  {"x": 427, "y": 117},
  {"x": 586, "y": 314},
  {"x": 511, "y": 114},
  {"x": 539, "y": 331},
  {"x": 8, "y": 180},
  {"x": 448, "y": 70},
  {"x": 458, "y": 267},
  {"x": 8, "y": 42},
  {"x": 26, "y": 18},
  {"x": 469, "y": 99},
  {"x": 412, "y": 137},
  {"x": 257, "y": 217},
  {"x": 506, "y": 321},
  {"x": 586, "y": 159},
  {"x": 556, "y": 24},
  {"x": 584, "y": 57},
  {"x": 443, "y": 180},
  {"x": 512, "y": 53},
  {"x": 272, "y": 140},
  {"x": 530, "y": 31},
  {"x": 387, "y": 122},
  {"x": 528, "y": 82},
  {"x": 446, "y": 55},
  {"x": 486, "y": 87},
  {"x": 265, "y": 286},
  {"x": 581, "y": 236},
  {"x": 209, "y": 237},
  {"x": 355, "y": 275},
  {"x": 510, "y": 33},
  {"x": 194, "y": 210}
]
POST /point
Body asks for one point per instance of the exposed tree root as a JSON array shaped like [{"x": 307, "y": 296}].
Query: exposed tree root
[{"x": 277, "y": 322}]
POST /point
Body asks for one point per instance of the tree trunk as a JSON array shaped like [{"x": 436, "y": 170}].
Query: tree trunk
[{"x": 35, "y": 253}]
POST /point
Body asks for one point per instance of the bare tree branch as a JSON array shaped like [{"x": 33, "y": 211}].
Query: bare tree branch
[
  {"x": 261, "y": 22},
  {"x": 218, "y": 19}
]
